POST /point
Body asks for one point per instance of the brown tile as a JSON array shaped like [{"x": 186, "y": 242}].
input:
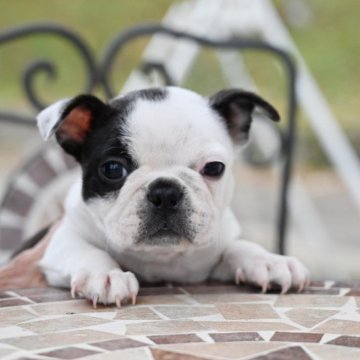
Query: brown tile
[
  {"x": 160, "y": 290},
  {"x": 216, "y": 289},
  {"x": 69, "y": 308},
  {"x": 10, "y": 237},
  {"x": 161, "y": 299},
  {"x": 246, "y": 326},
  {"x": 343, "y": 327},
  {"x": 60, "y": 324},
  {"x": 180, "y": 312},
  {"x": 247, "y": 311},
  {"x": 37, "y": 342},
  {"x": 175, "y": 339},
  {"x": 233, "y": 298},
  {"x": 69, "y": 353},
  {"x": 353, "y": 292},
  {"x": 18, "y": 202},
  {"x": 116, "y": 344},
  {"x": 237, "y": 336},
  {"x": 296, "y": 337},
  {"x": 293, "y": 352},
  {"x": 351, "y": 341},
  {"x": 300, "y": 300},
  {"x": 40, "y": 172},
  {"x": 13, "y": 302},
  {"x": 50, "y": 297},
  {"x": 163, "y": 327},
  {"x": 309, "y": 317},
  {"x": 39, "y": 291},
  {"x": 4, "y": 295},
  {"x": 347, "y": 284},
  {"x": 136, "y": 313},
  {"x": 169, "y": 355},
  {"x": 330, "y": 291},
  {"x": 14, "y": 316},
  {"x": 46, "y": 294}
]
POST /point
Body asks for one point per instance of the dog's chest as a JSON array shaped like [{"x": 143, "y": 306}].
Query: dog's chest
[{"x": 190, "y": 266}]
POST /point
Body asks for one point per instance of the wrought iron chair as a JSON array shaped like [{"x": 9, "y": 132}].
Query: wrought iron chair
[{"x": 43, "y": 168}]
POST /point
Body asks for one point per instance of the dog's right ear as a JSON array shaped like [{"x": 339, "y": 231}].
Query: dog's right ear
[{"x": 71, "y": 120}]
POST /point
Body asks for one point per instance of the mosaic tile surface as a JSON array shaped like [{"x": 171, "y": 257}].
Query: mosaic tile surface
[{"x": 206, "y": 321}]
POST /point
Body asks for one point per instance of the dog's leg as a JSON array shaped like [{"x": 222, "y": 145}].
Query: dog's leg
[
  {"x": 73, "y": 262},
  {"x": 244, "y": 261}
]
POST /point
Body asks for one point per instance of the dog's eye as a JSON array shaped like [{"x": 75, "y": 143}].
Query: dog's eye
[
  {"x": 113, "y": 170},
  {"x": 213, "y": 169}
]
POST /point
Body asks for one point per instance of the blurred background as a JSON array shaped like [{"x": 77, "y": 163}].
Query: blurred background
[{"x": 323, "y": 36}]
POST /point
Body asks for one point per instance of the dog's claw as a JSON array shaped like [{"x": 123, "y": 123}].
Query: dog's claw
[
  {"x": 133, "y": 299},
  {"x": 285, "y": 288},
  {"x": 264, "y": 287},
  {"x": 118, "y": 301},
  {"x": 239, "y": 277},
  {"x": 95, "y": 299},
  {"x": 73, "y": 292}
]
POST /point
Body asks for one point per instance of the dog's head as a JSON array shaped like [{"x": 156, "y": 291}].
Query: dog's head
[{"x": 156, "y": 163}]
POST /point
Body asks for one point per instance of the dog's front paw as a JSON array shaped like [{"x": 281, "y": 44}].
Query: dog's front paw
[
  {"x": 106, "y": 288},
  {"x": 265, "y": 270}
]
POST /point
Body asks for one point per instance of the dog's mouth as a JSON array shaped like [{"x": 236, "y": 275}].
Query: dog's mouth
[{"x": 164, "y": 234}]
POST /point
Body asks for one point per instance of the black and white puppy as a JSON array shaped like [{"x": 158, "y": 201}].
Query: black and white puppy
[{"x": 153, "y": 201}]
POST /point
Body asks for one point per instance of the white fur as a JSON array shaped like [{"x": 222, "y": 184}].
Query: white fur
[
  {"x": 49, "y": 117},
  {"x": 173, "y": 138}
]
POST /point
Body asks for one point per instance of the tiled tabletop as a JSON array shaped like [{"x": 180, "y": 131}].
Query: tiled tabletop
[{"x": 208, "y": 321}]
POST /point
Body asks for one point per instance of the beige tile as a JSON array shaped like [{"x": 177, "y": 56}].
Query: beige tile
[
  {"x": 344, "y": 327},
  {"x": 161, "y": 299},
  {"x": 309, "y": 317},
  {"x": 163, "y": 327},
  {"x": 70, "y": 307},
  {"x": 5, "y": 352},
  {"x": 330, "y": 352},
  {"x": 136, "y": 313},
  {"x": 229, "y": 350},
  {"x": 14, "y": 316},
  {"x": 357, "y": 299},
  {"x": 36, "y": 342},
  {"x": 179, "y": 312},
  {"x": 245, "y": 326},
  {"x": 298, "y": 300},
  {"x": 247, "y": 311},
  {"x": 128, "y": 354},
  {"x": 233, "y": 298},
  {"x": 65, "y": 323}
]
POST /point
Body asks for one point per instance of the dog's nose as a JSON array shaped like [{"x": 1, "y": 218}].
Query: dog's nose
[{"x": 165, "y": 194}]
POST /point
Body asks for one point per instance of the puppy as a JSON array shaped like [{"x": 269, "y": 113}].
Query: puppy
[{"x": 153, "y": 199}]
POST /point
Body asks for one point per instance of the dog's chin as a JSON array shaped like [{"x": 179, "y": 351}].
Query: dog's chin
[{"x": 165, "y": 238}]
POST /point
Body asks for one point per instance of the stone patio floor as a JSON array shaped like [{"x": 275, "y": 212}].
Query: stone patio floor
[{"x": 206, "y": 321}]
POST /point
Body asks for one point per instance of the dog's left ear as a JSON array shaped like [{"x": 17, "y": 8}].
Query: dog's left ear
[
  {"x": 236, "y": 107},
  {"x": 71, "y": 121}
]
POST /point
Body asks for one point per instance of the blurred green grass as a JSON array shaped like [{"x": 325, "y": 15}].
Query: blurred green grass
[{"x": 330, "y": 44}]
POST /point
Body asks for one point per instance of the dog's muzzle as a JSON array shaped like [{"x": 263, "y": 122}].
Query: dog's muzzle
[{"x": 165, "y": 214}]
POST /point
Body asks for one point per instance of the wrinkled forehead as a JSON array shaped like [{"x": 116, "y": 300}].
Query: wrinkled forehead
[{"x": 175, "y": 129}]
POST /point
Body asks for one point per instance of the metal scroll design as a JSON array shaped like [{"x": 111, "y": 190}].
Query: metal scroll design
[{"x": 39, "y": 66}]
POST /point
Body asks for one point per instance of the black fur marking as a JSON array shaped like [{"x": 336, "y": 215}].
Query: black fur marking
[
  {"x": 236, "y": 107},
  {"x": 105, "y": 138}
]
